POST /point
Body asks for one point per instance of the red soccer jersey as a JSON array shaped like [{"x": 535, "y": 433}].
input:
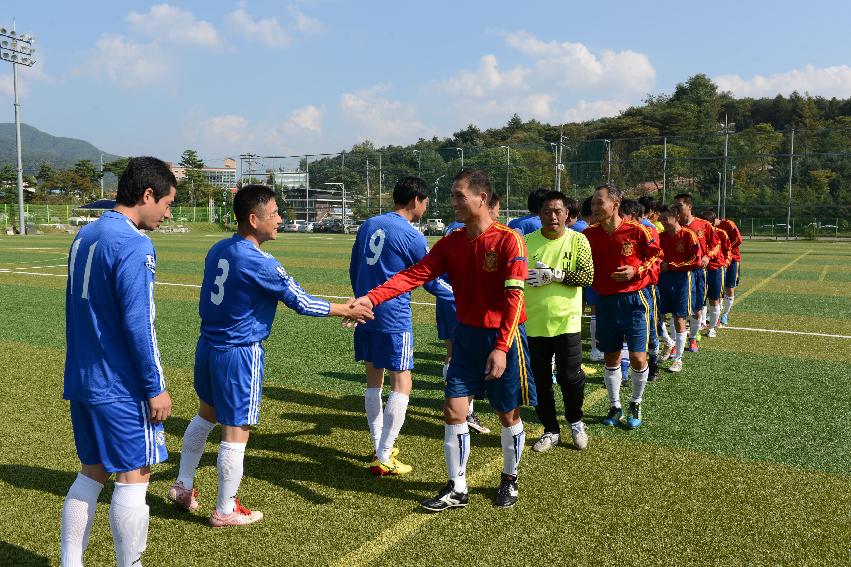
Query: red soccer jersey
[
  {"x": 706, "y": 234},
  {"x": 722, "y": 259},
  {"x": 735, "y": 236},
  {"x": 681, "y": 249},
  {"x": 487, "y": 274},
  {"x": 631, "y": 244}
]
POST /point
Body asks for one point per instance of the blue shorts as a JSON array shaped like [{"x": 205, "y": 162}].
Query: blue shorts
[
  {"x": 731, "y": 278},
  {"x": 392, "y": 351},
  {"x": 446, "y": 319},
  {"x": 118, "y": 435},
  {"x": 589, "y": 296},
  {"x": 231, "y": 380},
  {"x": 652, "y": 297},
  {"x": 624, "y": 316},
  {"x": 675, "y": 293},
  {"x": 471, "y": 347},
  {"x": 715, "y": 283},
  {"x": 698, "y": 289}
]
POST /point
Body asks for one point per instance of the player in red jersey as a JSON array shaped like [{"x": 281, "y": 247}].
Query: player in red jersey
[
  {"x": 709, "y": 248},
  {"x": 487, "y": 265},
  {"x": 624, "y": 255},
  {"x": 731, "y": 276},
  {"x": 715, "y": 273}
]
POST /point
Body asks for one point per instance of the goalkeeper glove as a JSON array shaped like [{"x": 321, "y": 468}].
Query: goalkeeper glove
[{"x": 543, "y": 275}]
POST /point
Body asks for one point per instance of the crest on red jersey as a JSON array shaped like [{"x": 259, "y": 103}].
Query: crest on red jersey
[
  {"x": 490, "y": 261},
  {"x": 627, "y": 249},
  {"x": 700, "y": 232},
  {"x": 681, "y": 247}
]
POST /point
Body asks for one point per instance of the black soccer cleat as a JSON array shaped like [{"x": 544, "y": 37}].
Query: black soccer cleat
[
  {"x": 506, "y": 494},
  {"x": 446, "y": 498}
]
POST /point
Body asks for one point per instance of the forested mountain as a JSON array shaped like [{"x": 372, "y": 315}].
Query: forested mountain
[{"x": 41, "y": 147}]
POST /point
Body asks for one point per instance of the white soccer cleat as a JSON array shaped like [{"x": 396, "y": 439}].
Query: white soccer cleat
[
  {"x": 241, "y": 516},
  {"x": 184, "y": 497},
  {"x": 579, "y": 435},
  {"x": 676, "y": 366},
  {"x": 596, "y": 355},
  {"x": 711, "y": 333},
  {"x": 666, "y": 350},
  {"x": 546, "y": 442}
]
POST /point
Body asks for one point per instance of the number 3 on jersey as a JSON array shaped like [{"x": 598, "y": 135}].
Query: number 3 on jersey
[
  {"x": 376, "y": 244},
  {"x": 218, "y": 294}
]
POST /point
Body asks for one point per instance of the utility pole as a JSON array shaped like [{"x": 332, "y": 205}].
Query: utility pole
[
  {"x": 789, "y": 204},
  {"x": 419, "y": 168},
  {"x": 507, "y": 186},
  {"x": 307, "y": 189},
  {"x": 665, "y": 168},
  {"x": 380, "y": 182},
  {"x": 609, "y": 152},
  {"x": 101, "y": 176},
  {"x": 367, "y": 187},
  {"x": 725, "y": 128}
]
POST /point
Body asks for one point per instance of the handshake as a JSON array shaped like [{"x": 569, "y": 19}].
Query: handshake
[
  {"x": 354, "y": 311},
  {"x": 542, "y": 275}
]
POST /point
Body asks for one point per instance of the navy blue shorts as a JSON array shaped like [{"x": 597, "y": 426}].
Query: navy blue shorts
[
  {"x": 653, "y": 298},
  {"x": 446, "y": 319},
  {"x": 624, "y": 316},
  {"x": 715, "y": 283},
  {"x": 589, "y": 296},
  {"x": 698, "y": 289},
  {"x": 392, "y": 351},
  {"x": 471, "y": 347},
  {"x": 231, "y": 380},
  {"x": 731, "y": 278},
  {"x": 675, "y": 293},
  {"x": 118, "y": 435}
]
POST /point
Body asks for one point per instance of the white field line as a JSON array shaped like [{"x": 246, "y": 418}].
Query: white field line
[
  {"x": 766, "y": 281},
  {"x": 428, "y": 304},
  {"x": 823, "y": 273}
]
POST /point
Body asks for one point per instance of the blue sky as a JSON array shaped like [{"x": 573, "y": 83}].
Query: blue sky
[{"x": 281, "y": 78}]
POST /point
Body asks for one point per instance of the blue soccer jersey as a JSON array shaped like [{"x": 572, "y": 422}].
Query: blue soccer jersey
[
  {"x": 526, "y": 224},
  {"x": 240, "y": 293},
  {"x": 111, "y": 343},
  {"x": 579, "y": 225},
  {"x": 455, "y": 225},
  {"x": 385, "y": 245}
]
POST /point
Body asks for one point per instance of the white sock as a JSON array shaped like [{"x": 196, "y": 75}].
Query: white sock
[
  {"x": 456, "y": 450},
  {"x": 128, "y": 520},
  {"x": 229, "y": 467},
  {"x": 638, "y": 380},
  {"x": 728, "y": 304},
  {"x": 624, "y": 353},
  {"x": 513, "y": 438},
  {"x": 693, "y": 326},
  {"x": 714, "y": 315},
  {"x": 663, "y": 332},
  {"x": 374, "y": 414},
  {"x": 703, "y": 316},
  {"x": 78, "y": 514},
  {"x": 470, "y": 409},
  {"x": 194, "y": 440},
  {"x": 394, "y": 417},
  {"x": 613, "y": 385},
  {"x": 681, "y": 345},
  {"x": 673, "y": 328},
  {"x": 592, "y": 331}
]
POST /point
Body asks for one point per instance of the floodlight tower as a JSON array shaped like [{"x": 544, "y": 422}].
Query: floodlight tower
[{"x": 17, "y": 49}]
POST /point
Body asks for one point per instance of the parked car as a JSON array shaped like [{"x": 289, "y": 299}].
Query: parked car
[
  {"x": 329, "y": 225},
  {"x": 434, "y": 227},
  {"x": 352, "y": 228},
  {"x": 291, "y": 226},
  {"x": 306, "y": 227}
]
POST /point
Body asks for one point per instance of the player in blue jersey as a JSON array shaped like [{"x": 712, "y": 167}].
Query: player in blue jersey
[
  {"x": 113, "y": 377},
  {"x": 385, "y": 245},
  {"x": 528, "y": 224},
  {"x": 239, "y": 296}
]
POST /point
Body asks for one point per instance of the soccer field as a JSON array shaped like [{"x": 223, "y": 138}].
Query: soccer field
[{"x": 743, "y": 459}]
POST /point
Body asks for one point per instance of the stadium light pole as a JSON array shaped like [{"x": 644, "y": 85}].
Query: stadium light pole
[
  {"x": 789, "y": 203},
  {"x": 17, "y": 50},
  {"x": 719, "y": 192},
  {"x": 725, "y": 129},
  {"x": 507, "y": 187},
  {"x": 343, "y": 185},
  {"x": 461, "y": 153},
  {"x": 417, "y": 152},
  {"x": 609, "y": 152},
  {"x": 732, "y": 178}
]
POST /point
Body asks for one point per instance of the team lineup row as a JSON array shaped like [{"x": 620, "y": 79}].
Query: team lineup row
[{"x": 116, "y": 387}]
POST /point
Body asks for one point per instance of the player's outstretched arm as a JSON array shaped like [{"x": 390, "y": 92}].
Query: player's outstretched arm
[
  {"x": 353, "y": 310},
  {"x": 160, "y": 407}
]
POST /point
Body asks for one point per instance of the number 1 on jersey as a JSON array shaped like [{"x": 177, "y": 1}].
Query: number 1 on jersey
[{"x": 376, "y": 244}]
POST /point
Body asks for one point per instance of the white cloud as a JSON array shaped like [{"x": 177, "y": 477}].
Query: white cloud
[
  {"x": 305, "y": 23},
  {"x": 123, "y": 62},
  {"x": 818, "y": 81},
  {"x": 267, "y": 31},
  {"x": 174, "y": 24},
  {"x": 308, "y": 118},
  {"x": 485, "y": 80},
  {"x": 381, "y": 119},
  {"x": 229, "y": 128},
  {"x": 584, "y": 110}
]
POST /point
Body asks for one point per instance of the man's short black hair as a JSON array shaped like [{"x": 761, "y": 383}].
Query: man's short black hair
[
  {"x": 708, "y": 215},
  {"x": 249, "y": 199},
  {"x": 649, "y": 203},
  {"x": 476, "y": 179},
  {"x": 536, "y": 199},
  {"x": 586, "y": 207},
  {"x": 669, "y": 210},
  {"x": 571, "y": 204},
  {"x": 140, "y": 174},
  {"x": 408, "y": 188},
  {"x": 632, "y": 208},
  {"x": 493, "y": 201},
  {"x": 685, "y": 197}
]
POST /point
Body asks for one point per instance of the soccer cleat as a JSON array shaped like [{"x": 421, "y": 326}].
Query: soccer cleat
[
  {"x": 476, "y": 425},
  {"x": 692, "y": 345},
  {"x": 723, "y": 320},
  {"x": 184, "y": 497},
  {"x": 614, "y": 416},
  {"x": 588, "y": 370},
  {"x": 579, "y": 435},
  {"x": 633, "y": 415},
  {"x": 676, "y": 365},
  {"x": 241, "y": 516},
  {"x": 394, "y": 452},
  {"x": 446, "y": 498},
  {"x": 653, "y": 371},
  {"x": 393, "y": 468},
  {"x": 506, "y": 494},
  {"x": 711, "y": 333},
  {"x": 596, "y": 355},
  {"x": 666, "y": 351},
  {"x": 547, "y": 441}
]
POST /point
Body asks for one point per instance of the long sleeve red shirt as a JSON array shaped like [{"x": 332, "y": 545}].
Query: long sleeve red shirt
[
  {"x": 735, "y": 236},
  {"x": 706, "y": 234},
  {"x": 631, "y": 244},
  {"x": 681, "y": 249},
  {"x": 487, "y": 274},
  {"x": 722, "y": 259}
]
